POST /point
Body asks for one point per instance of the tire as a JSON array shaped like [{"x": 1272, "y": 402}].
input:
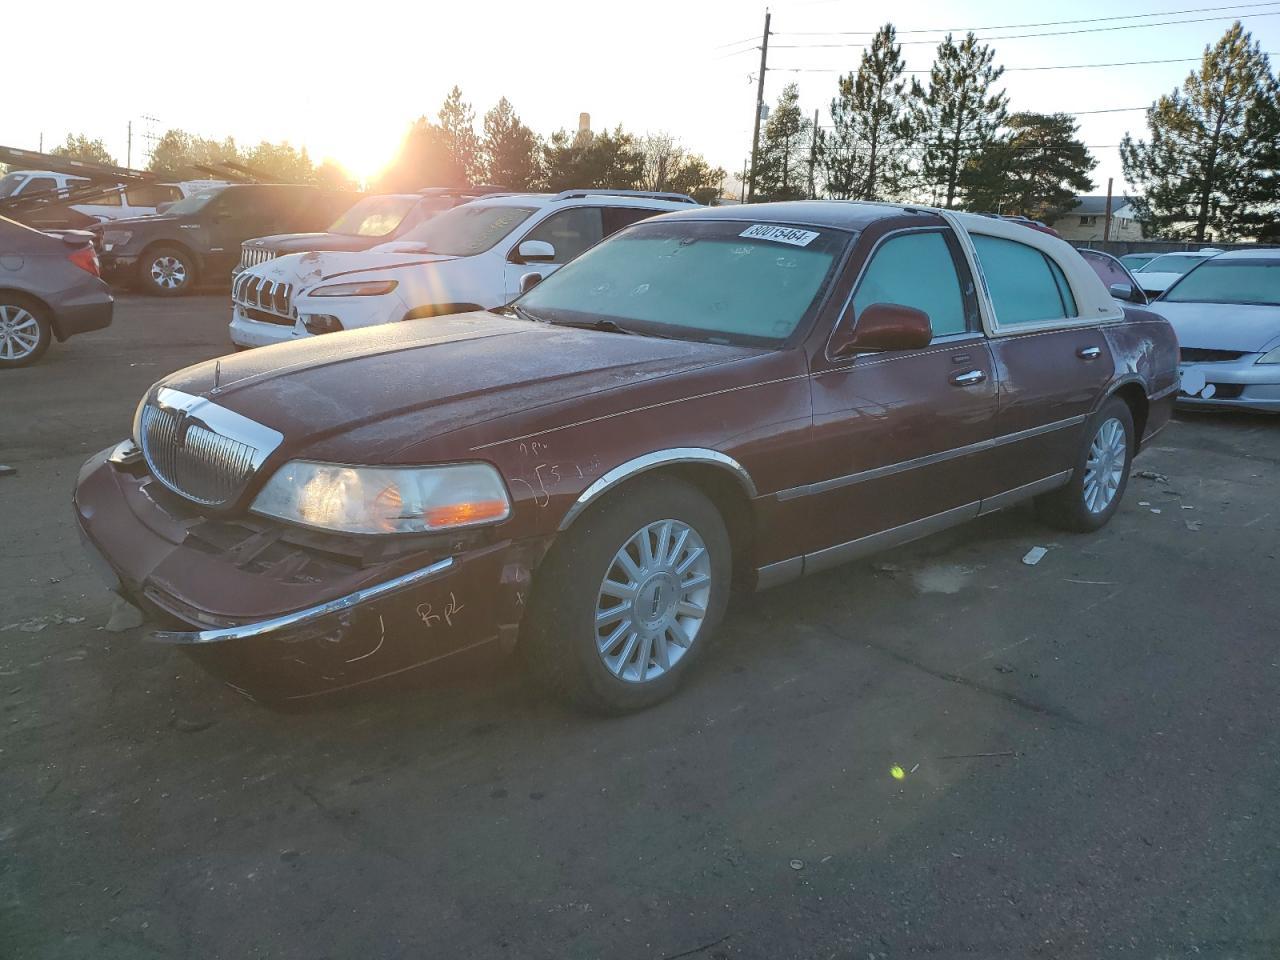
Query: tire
[
  {"x": 25, "y": 331},
  {"x": 562, "y": 642},
  {"x": 1082, "y": 505},
  {"x": 166, "y": 271}
]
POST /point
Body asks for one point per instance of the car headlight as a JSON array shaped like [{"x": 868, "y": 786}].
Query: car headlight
[
  {"x": 365, "y": 288},
  {"x": 385, "y": 500},
  {"x": 1272, "y": 356},
  {"x": 117, "y": 238}
]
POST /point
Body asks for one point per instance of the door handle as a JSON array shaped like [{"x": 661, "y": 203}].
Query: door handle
[
  {"x": 1089, "y": 353},
  {"x": 968, "y": 378}
]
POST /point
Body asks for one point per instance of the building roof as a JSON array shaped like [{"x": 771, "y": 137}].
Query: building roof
[{"x": 1097, "y": 205}]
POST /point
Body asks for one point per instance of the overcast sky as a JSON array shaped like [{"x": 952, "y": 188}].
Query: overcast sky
[{"x": 346, "y": 79}]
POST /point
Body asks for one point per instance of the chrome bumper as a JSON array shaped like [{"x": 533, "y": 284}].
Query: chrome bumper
[{"x": 305, "y": 616}]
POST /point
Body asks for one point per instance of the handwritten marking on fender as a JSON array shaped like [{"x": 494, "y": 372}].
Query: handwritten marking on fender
[{"x": 451, "y": 610}]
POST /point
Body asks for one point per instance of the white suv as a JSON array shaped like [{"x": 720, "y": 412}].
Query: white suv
[{"x": 469, "y": 258}]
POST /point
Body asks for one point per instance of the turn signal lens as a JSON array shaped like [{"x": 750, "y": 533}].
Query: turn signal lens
[{"x": 463, "y": 514}]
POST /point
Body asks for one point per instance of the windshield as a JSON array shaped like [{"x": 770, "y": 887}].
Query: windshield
[
  {"x": 467, "y": 230},
  {"x": 1172, "y": 263},
  {"x": 193, "y": 203},
  {"x": 373, "y": 216},
  {"x": 718, "y": 281},
  {"x": 1230, "y": 281},
  {"x": 9, "y": 183}
]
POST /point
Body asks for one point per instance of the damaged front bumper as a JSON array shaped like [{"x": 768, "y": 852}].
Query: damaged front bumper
[
  {"x": 284, "y": 620},
  {"x": 1242, "y": 384}
]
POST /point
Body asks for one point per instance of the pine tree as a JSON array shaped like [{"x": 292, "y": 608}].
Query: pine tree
[
  {"x": 1209, "y": 165},
  {"x": 511, "y": 151},
  {"x": 957, "y": 115},
  {"x": 1035, "y": 170},
  {"x": 458, "y": 134},
  {"x": 599, "y": 160},
  {"x": 865, "y": 156},
  {"x": 80, "y": 147},
  {"x": 782, "y": 170}
]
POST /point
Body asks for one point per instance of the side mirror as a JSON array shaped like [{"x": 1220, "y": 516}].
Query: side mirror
[
  {"x": 884, "y": 326},
  {"x": 529, "y": 281},
  {"x": 1121, "y": 291},
  {"x": 533, "y": 251}
]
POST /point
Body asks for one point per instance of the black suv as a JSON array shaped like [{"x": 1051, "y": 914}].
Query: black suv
[{"x": 198, "y": 238}]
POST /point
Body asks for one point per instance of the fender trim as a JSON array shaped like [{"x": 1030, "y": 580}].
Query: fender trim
[{"x": 659, "y": 458}]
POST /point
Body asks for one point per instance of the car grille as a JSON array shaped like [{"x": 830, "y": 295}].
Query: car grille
[
  {"x": 251, "y": 256},
  {"x": 202, "y": 451},
  {"x": 1198, "y": 355},
  {"x": 270, "y": 301}
]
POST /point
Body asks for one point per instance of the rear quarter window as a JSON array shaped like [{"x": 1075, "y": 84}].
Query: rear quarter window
[{"x": 1025, "y": 285}]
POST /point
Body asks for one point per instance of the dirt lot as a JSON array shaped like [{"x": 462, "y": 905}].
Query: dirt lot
[{"x": 1089, "y": 747}]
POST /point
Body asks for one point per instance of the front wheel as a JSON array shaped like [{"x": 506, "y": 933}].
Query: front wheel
[
  {"x": 629, "y": 598},
  {"x": 166, "y": 272},
  {"x": 1101, "y": 474}
]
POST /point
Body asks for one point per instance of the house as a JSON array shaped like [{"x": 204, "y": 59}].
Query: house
[{"x": 1086, "y": 221}]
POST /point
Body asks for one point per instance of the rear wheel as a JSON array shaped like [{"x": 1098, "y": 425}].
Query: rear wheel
[
  {"x": 630, "y": 597},
  {"x": 1101, "y": 473},
  {"x": 166, "y": 271},
  {"x": 25, "y": 331}
]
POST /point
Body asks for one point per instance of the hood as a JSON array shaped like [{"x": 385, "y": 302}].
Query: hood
[
  {"x": 1156, "y": 282},
  {"x": 405, "y": 383},
  {"x": 1248, "y": 328},
  {"x": 303, "y": 269},
  {"x": 305, "y": 242}
]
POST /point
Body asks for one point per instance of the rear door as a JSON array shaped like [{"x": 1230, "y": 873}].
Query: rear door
[
  {"x": 904, "y": 433},
  {"x": 1052, "y": 374}
]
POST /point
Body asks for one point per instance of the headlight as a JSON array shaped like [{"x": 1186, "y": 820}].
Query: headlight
[
  {"x": 367, "y": 288},
  {"x": 117, "y": 237},
  {"x": 381, "y": 500},
  {"x": 1272, "y": 357}
]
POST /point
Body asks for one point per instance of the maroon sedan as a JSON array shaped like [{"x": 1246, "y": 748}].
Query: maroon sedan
[{"x": 737, "y": 395}]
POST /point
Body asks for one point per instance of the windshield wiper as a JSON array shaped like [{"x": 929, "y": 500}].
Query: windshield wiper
[{"x": 602, "y": 323}]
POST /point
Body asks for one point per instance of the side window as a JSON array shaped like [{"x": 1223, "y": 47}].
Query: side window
[
  {"x": 40, "y": 185},
  {"x": 1025, "y": 285},
  {"x": 615, "y": 218},
  {"x": 915, "y": 270},
  {"x": 111, "y": 199},
  {"x": 570, "y": 232},
  {"x": 151, "y": 195}
]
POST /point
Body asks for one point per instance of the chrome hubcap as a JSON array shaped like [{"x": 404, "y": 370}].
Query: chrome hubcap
[
  {"x": 168, "y": 272},
  {"x": 19, "y": 333},
  {"x": 1105, "y": 465},
  {"x": 652, "y": 601}
]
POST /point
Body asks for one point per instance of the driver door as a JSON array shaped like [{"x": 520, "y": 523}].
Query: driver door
[{"x": 902, "y": 432}]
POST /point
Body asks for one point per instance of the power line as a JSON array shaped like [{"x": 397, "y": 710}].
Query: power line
[
  {"x": 1064, "y": 66},
  {"x": 1026, "y": 36},
  {"x": 1019, "y": 26}
]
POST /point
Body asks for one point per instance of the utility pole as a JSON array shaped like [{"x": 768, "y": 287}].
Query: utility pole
[
  {"x": 1106, "y": 223},
  {"x": 755, "y": 134},
  {"x": 813, "y": 156},
  {"x": 744, "y": 180},
  {"x": 128, "y": 151}
]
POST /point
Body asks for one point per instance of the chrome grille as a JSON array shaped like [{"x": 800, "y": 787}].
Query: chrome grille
[
  {"x": 254, "y": 293},
  {"x": 200, "y": 450},
  {"x": 251, "y": 256}
]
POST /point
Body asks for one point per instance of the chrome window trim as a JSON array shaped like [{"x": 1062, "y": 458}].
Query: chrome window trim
[
  {"x": 888, "y": 470},
  {"x": 659, "y": 458},
  {"x": 307, "y": 614}
]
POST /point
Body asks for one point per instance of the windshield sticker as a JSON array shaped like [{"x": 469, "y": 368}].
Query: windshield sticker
[{"x": 768, "y": 231}]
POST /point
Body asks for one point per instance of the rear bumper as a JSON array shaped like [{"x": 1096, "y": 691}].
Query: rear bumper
[
  {"x": 275, "y": 635},
  {"x": 83, "y": 317},
  {"x": 1242, "y": 384}
]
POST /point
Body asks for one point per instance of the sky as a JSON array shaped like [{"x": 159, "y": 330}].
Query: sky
[{"x": 346, "y": 79}]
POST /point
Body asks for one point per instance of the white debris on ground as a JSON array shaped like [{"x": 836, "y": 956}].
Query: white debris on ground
[
  {"x": 124, "y": 616},
  {"x": 1034, "y": 556}
]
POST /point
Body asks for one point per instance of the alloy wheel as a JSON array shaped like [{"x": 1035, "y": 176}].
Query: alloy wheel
[
  {"x": 19, "y": 332},
  {"x": 1104, "y": 467},
  {"x": 168, "y": 272},
  {"x": 653, "y": 601}
]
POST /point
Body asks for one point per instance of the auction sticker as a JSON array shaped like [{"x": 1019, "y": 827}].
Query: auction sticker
[{"x": 769, "y": 231}]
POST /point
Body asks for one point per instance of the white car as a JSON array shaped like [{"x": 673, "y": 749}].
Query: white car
[
  {"x": 1158, "y": 275},
  {"x": 472, "y": 257},
  {"x": 1226, "y": 313}
]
